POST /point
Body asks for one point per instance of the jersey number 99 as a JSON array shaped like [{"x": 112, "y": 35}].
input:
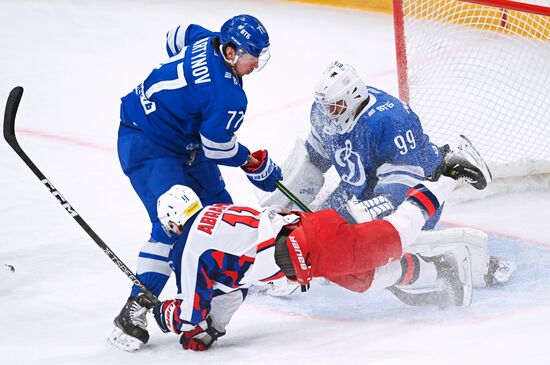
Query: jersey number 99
[{"x": 404, "y": 144}]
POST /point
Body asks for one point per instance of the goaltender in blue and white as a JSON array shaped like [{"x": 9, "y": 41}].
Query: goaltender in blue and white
[{"x": 378, "y": 147}]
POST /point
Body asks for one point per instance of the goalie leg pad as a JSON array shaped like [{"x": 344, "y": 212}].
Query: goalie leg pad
[
  {"x": 452, "y": 287},
  {"x": 431, "y": 243}
]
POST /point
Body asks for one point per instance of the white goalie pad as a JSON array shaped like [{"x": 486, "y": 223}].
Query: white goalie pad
[
  {"x": 431, "y": 243},
  {"x": 300, "y": 176}
]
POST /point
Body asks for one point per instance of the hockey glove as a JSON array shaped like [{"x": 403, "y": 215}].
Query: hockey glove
[
  {"x": 369, "y": 210},
  {"x": 265, "y": 174},
  {"x": 167, "y": 315},
  {"x": 201, "y": 337}
]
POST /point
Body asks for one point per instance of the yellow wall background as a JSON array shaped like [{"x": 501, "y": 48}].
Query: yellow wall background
[
  {"x": 371, "y": 5},
  {"x": 522, "y": 24},
  {"x": 486, "y": 17}
]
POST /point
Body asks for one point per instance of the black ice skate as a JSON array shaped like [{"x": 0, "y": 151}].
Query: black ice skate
[
  {"x": 130, "y": 330},
  {"x": 464, "y": 163},
  {"x": 453, "y": 287}
]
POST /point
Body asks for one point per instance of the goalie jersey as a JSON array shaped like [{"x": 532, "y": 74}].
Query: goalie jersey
[
  {"x": 224, "y": 249},
  {"x": 386, "y": 153},
  {"x": 178, "y": 106}
]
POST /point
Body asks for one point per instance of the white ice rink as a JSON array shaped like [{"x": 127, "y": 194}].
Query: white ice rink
[{"x": 76, "y": 59}]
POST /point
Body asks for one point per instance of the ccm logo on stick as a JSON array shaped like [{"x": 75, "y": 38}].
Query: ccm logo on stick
[{"x": 59, "y": 197}]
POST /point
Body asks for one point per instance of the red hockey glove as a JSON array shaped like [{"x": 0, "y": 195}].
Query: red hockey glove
[
  {"x": 201, "y": 337},
  {"x": 265, "y": 174},
  {"x": 167, "y": 315}
]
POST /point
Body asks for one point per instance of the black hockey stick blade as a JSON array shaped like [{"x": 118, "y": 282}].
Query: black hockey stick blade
[{"x": 10, "y": 113}]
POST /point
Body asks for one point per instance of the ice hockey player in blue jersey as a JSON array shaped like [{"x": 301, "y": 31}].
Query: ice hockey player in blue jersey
[
  {"x": 375, "y": 142},
  {"x": 179, "y": 124}
]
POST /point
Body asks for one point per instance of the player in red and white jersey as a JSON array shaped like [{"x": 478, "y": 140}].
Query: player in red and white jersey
[{"x": 222, "y": 249}]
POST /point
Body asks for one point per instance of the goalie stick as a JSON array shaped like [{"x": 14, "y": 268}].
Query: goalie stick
[{"x": 12, "y": 105}]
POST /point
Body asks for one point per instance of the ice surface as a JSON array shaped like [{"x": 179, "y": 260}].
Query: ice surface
[{"x": 76, "y": 59}]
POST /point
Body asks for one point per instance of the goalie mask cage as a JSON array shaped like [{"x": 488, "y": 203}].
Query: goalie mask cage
[{"x": 482, "y": 69}]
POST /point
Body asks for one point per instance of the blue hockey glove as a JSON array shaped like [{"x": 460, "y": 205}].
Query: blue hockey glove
[{"x": 264, "y": 175}]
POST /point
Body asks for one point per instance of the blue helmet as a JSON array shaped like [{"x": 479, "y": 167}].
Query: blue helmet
[{"x": 246, "y": 33}]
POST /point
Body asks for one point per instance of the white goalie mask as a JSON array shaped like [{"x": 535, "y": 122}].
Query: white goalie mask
[
  {"x": 339, "y": 93},
  {"x": 176, "y": 207}
]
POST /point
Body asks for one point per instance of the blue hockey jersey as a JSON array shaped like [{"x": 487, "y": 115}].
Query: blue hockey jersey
[
  {"x": 193, "y": 100},
  {"x": 386, "y": 153}
]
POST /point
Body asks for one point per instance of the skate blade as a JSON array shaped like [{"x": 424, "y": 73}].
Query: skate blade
[
  {"x": 468, "y": 148},
  {"x": 123, "y": 341}
]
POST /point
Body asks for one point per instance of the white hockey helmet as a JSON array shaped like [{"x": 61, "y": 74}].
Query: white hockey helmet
[
  {"x": 176, "y": 206},
  {"x": 339, "y": 93}
]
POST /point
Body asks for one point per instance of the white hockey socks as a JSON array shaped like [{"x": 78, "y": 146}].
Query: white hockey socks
[
  {"x": 421, "y": 203},
  {"x": 429, "y": 195}
]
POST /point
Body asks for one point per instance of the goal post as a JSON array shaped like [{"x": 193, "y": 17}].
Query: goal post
[{"x": 480, "y": 68}]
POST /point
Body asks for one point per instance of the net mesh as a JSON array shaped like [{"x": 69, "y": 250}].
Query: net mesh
[{"x": 484, "y": 72}]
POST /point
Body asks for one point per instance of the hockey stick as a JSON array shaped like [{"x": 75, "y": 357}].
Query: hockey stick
[
  {"x": 9, "y": 134},
  {"x": 300, "y": 204},
  {"x": 292, "y": 197}
]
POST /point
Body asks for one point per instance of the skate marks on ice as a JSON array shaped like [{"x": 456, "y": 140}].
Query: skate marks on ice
[{"x": 529, "y": 288}]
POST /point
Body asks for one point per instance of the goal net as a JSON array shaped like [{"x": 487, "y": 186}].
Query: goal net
[{"x": 482, "y": 69}]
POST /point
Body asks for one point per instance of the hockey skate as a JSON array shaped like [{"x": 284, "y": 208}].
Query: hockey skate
[
  {"x": 464, "y": 163},
  {"x": 130, "y": 330},
  {"x": 499, "y": 271},
  {"x": 453, "y": 287}
]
